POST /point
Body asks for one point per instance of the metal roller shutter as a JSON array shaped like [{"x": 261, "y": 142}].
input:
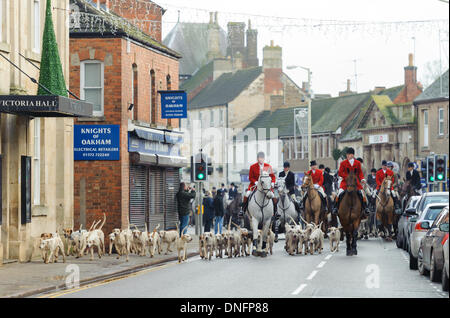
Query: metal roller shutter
[
  {"x": 138, "y": 195},
  {"x": 156, "y": 198},
  {"x": 172, "y": 184}
]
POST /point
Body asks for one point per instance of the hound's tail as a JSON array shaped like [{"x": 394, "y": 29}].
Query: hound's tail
[{"x": 104, "y": 221}]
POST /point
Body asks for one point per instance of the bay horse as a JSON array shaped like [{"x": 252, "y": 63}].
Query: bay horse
[
  {"x": 313, "y": 203},
  {"x": 406, "y": 192},
  {"x": 350, "y": 210},
  {"x": 385, "y": 209}
]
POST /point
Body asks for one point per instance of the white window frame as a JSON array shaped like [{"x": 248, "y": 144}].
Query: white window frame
[
  {"x": 441, "y": 121},
  {"x": 426, "y": 138},
  {"x": 37, "y": 162},
  {"x": 36, "y": 26},
  {"x": 211, "y": 119},
  {"x": 82, "y": 94}
]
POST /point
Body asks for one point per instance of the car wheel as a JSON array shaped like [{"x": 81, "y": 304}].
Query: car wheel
[
  {"x": 435, "y": 275},
  {"x": 412, "y": 261},
  {"x": 444, "y": 280},
  {"x": 420, "y": 263},
  {"x": 398, "y": 242}
]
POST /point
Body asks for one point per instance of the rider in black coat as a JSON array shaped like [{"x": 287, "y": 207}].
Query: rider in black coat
[
  {"x": 327, "y": 181},
  {"x": 413, "y": 176}
]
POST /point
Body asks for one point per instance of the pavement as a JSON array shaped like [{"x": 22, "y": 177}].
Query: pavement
[
  {"x": 35, "y": 277},
  {"x": 379, "y": 270}
]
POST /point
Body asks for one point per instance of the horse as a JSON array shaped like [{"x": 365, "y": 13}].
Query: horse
[
  {"x": 385, "y": 209},
  {"x": 349, "y": 213},
  {"x": 406, "y": 192},
  {"x": 233, "y": 208},
  {"x": 285, "y": 206},
  {"x": 313, "y": 203},
  {"x": 260, "y": 210}
]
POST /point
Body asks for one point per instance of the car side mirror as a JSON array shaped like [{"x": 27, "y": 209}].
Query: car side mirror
[
  {"x": 443, "y": 227},
  {"x": 413, "y": 220},
  {"x": 425, "y": 225},
  {"x": 411, "y": 211}
]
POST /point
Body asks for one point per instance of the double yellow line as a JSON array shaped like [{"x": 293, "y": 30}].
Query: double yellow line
[{"x": 105, "y": 282}]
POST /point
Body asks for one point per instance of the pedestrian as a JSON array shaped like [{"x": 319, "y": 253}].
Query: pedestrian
[
  {"x": 184, "y": 196},
  {"x": 218, "y": 212},
  {"x": 209, "y": 213}
]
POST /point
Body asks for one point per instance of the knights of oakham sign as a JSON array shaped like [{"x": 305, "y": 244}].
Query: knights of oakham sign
[{"x": 44, "y": 106}]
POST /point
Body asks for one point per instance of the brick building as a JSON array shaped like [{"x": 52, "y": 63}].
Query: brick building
[{"x": 121, "y": 70}]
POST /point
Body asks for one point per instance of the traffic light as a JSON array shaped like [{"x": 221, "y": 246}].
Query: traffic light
[
  {"x": 431, "y": 169},
  {"x": 423, "y": 168},
  {"x": 441, "y": 168},
  {"x": 200, "y": 168}
]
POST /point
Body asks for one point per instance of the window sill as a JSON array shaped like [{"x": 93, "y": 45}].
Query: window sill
[
  {"x": 5, "y": 47},
  {"x": 39, "y": 211},
  {"x": 33, "y": 56},
  {"x": 93, "y": 119}
]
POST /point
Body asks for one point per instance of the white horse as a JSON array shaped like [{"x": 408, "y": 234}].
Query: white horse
[
  {"x": 260, "y": 208},
  {"x": 285, "y": 206}
]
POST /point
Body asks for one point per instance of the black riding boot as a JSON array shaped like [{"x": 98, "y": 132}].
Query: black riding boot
[
  {"x": 324, "y": 204},
  {"x": 364, "y": 204},
  {"x": 336, "y": 205}
]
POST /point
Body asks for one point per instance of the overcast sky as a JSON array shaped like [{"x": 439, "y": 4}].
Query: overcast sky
[{"x": 381, "y": 51}]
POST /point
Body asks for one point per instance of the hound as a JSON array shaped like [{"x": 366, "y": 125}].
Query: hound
[
  {"x": 334, "y": 235},
  {"x": 219, "y": 245},
  {"x": 122, "y": 242},
  {"x": 82, "y": 239},
  {"x": 169, "y": 237},
  {"x": 316, "y": 241},
  {"x": 181, "y": 244},
  {"x": 96, "y": 238},
  {"x": 209, "y": 245},
  {"x": 246, "y": 240},
  {"x": 140, "y": 240},
  {"x": 154, "y": 242},
  {"x": 44, "y": 252},
  {"x": 51, "y": 247}
]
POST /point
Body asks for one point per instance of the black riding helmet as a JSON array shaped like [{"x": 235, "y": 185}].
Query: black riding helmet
[{"x": 286, "y": 165}]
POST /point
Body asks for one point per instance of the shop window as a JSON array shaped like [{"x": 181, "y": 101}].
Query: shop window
[{"x": 92, "y": 85}]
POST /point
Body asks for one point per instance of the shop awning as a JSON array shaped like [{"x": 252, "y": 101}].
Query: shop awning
[
  {"x": 139, "y": 158},
  {"x": 44, "y": 106}
]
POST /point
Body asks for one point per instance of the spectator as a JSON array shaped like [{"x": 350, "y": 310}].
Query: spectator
[
  {"x": 218, "y": 212},
  {"x": 184, "y": 196},
  {"x": 209, "y": 213}
]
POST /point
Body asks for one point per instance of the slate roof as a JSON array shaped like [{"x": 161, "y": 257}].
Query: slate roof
[
  {"x": 225, "y": 89},
  {"x": 102, "y": 23},
  {"x": 191, "y": 40},
  {"x": 198, "y": 78},
  {"x": 433, "y": 92}
]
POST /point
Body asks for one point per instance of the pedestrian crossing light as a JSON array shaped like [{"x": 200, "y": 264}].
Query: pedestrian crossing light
[
  {"x": 441, "y": 168},
  {"x": 200, "y": 168}
]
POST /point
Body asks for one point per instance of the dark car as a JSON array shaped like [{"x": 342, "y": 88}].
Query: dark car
[
  {"x": 425, "y": 200},
  {"x": 403, "y": 222},
  {"x": 431, "y": 252}
]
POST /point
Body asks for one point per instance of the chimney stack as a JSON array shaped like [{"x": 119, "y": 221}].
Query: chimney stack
[
  {"x": 252, "y": 47},
  {"x": 348, "y": 85},
  {"x": 213, "y": 37},
  {"x": 273, "y": 69},
  {"x": 410, "y": 72}
]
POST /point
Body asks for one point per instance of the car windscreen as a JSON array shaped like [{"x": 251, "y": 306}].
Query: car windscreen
[
  {"x": 434, "y": 199},
  {"x": 433, "y": 212}
]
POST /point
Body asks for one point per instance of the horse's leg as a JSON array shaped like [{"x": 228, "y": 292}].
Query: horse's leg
[
  {"x": 354, "y": 243},
  {"x": 256, "y": 247},
  {"x": 348, "y": 237},
  {"x": 265, "y": 233}
]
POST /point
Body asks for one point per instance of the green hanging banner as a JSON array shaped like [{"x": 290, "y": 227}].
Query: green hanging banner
[{"x": 51, "y": 74}]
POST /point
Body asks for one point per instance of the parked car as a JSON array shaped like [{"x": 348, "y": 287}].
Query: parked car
[
  {"x": 422, "y": 224},
  {"x": 410, "y": 211},
  {"x": 426, "y": 198},
  {"x": 430, "y": 254},
  {"x": 444, "y": 228}
]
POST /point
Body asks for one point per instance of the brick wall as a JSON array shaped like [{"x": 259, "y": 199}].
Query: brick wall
[{"x": 107, "y": 182}]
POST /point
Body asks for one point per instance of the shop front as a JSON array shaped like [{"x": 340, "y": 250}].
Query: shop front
[{"x": 155, "y": 164}]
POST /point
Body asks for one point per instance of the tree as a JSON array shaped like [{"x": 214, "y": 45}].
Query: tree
[
  {"x": 432, "y": 71},
  {"x": 337, "y": 153},
  {"x": 51, "y": 74}
]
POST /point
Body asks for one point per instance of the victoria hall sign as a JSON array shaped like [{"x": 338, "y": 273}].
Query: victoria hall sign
[{"x": 44, "y": 106}]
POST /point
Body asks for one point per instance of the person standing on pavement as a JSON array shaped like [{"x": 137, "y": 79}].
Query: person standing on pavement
[
  {"x": 209, "y": 213},
  {"x": 184, "y": 196},
  {"x": 218, "y": 212}
]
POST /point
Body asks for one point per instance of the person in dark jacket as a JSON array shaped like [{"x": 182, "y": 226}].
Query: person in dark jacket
[
  {"x": 372, "y": 179},
  {"x": 209, "y": 213},
  {"x": 414, "y": 178},
  {"x": 327, "y": 181},
  {"x": 218, "y": 212},
  {"x": 232, "y": 192},
  {"x": 184, "y": 197}
]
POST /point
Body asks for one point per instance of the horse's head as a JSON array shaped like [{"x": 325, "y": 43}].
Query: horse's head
[
  {"x": 351, "y": 180},
  {"x": 386, "y": 185},
  {"x": 264, "y": 181},
  {"x": 281, "y": 185},
  {"x": 307, "y": 181}
]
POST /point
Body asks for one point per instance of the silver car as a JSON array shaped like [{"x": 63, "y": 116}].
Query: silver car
[
  {"x": 402, "y": 228},
  {"x": 444, "y": 228},
  {"x": 427, "y": 216}
]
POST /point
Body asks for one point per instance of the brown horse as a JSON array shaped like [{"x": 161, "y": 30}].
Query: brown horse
[
  {"x": 350, "y": 210},
  {"x": 313, "y": 202},
  {"x": 385, "y": 209}
]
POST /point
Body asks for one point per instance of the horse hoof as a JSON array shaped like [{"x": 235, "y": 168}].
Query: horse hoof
[
  {"x": 255, "y": 253},
  {"x": 354, "y": 252},
  {"x": 263, "y": 254},
  {"x": 349, "y": 253}
]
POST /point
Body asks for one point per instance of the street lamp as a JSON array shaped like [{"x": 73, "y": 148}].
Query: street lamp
[{"x": 310, "y": 97}]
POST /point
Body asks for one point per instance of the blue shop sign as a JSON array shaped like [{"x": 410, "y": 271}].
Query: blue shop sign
[
  {"x": 96, "y": 142},
  {"x": 244, "y": 178},
  {"x": 173, "y": 104},
  {"x": 143, "y": 146}
]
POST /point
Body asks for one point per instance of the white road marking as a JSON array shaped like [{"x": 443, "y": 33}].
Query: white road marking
[
  {"x": 321, "y": 264},
  {"x": 311, "y": 276},
  {"x": 329, "y": 256},
  {"x": 299, "y": 290}
]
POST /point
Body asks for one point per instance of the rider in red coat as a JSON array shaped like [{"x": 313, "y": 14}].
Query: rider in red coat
[
  {"x": 254, "y": 173},
  {"x": 317, "y": 178},
  {"x": 381, "y": 175},
  {"x": 351, "y": 164}
]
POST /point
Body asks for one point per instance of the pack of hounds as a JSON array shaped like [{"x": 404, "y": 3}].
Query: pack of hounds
[
  {"x": 128, "y": 241},
  {"x": 237, "y": 242}
]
